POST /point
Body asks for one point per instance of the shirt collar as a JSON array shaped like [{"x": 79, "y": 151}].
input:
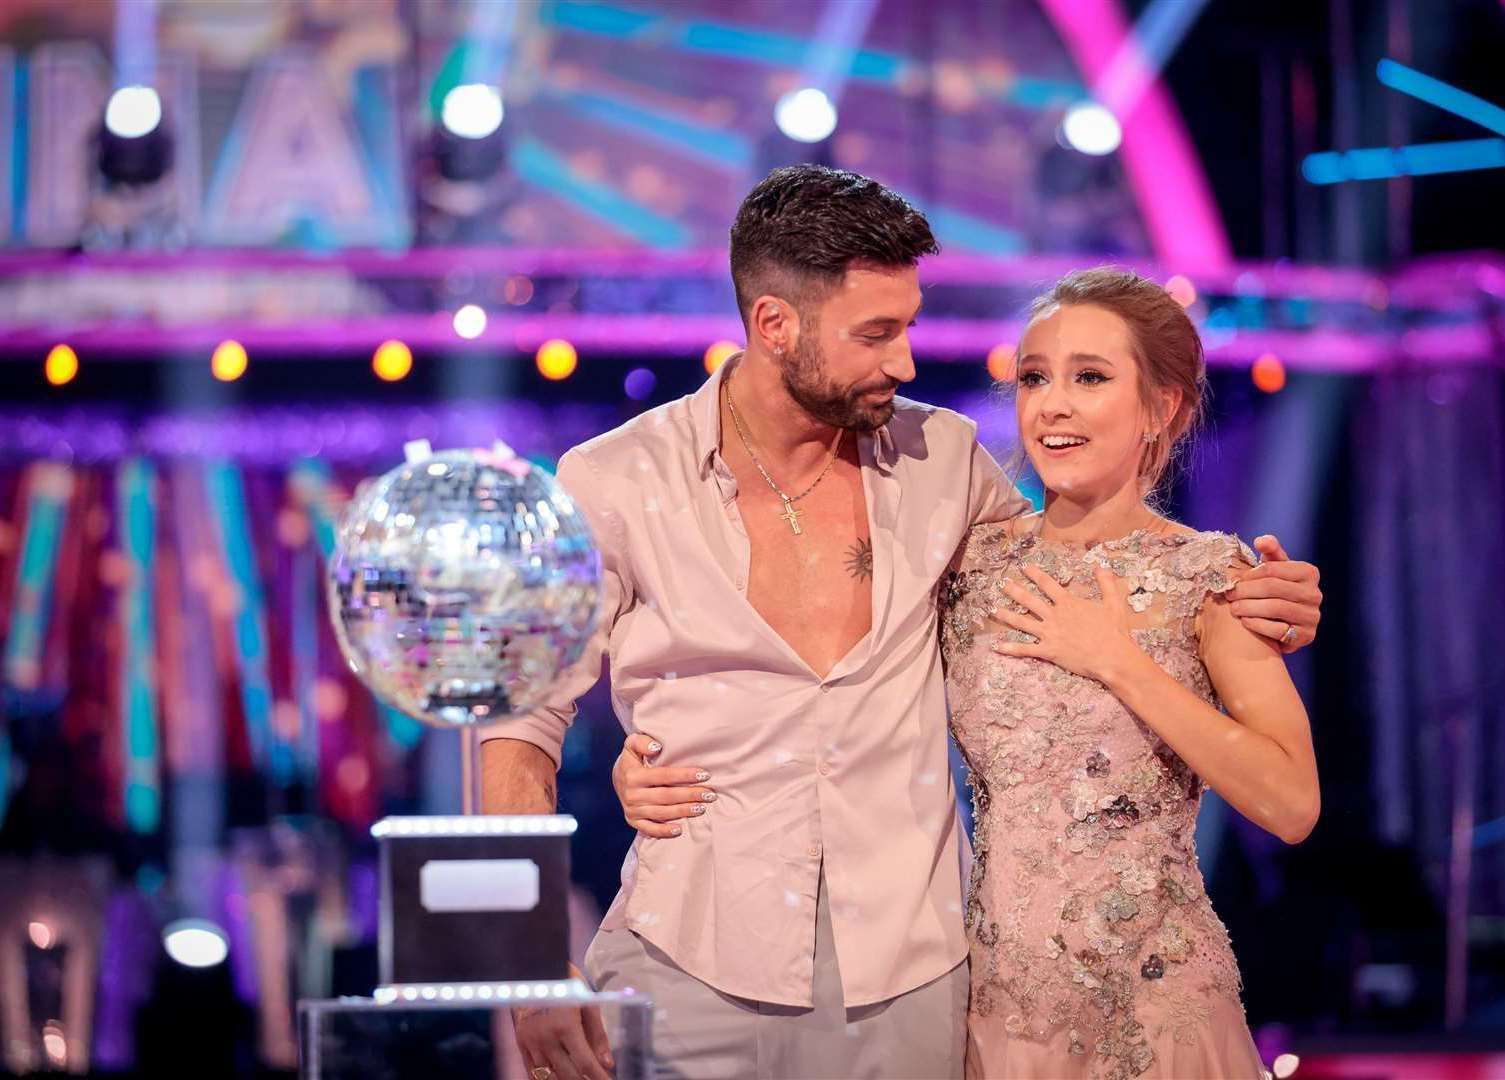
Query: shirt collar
[{"x": 705, "y": 422}]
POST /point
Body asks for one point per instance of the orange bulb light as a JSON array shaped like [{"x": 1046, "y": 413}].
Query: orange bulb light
[
  {"x": 719, "y": 353},
  {"x": 229, "y": 361},
  {"x": 1001, "y": 362},
  {"x": 557, "y": 359},
  {"x": 392, "y": 361},
  {"x": 61, "y": 365},
  {"x": 1268, "y": 373}
]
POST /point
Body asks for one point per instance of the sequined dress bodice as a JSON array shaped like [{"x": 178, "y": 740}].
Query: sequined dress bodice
[{"x": 1086, "y": 911}]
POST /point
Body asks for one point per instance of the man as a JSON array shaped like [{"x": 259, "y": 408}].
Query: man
[{"x": 771, "y": 546}]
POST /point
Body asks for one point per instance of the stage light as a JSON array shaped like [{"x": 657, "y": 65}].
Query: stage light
[
  {"x": 133, "y": 111},
  {"x": 1091, "y": 129},
  {"x": 556, "y": 359},
  {"x": 806, "y": 115},
  {"x": 40, "y": 934},
  {"x": 392, "y": 361},
  {"x": 719, "y": 353},
  {"x": 472, "y": 110},
  {"x": 1181, "y": 290},
  {"x": 1285, "y": 1066},
  {"x": 61, "y": 365},
  {"x": 1268, "y": 373},
  {"x": 229, "y": 361},
  {"x": 195, "y": 943},
  {"x": 1001, "y": 362},
  {"x": 639, "y": 383},
  {"x": 470, "y": 321},
  {"x": 132, "y": 145}
]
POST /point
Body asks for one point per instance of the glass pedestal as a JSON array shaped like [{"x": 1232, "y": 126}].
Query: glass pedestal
[{"x": 454, "y": 1038}]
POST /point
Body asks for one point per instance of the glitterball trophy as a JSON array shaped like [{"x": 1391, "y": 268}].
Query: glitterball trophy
[{"x": 462, "y": 584}]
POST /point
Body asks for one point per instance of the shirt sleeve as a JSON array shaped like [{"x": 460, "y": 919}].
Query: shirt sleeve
[
  {"x": 545, "y": 725},
  {"x": 991, "y": 497}
]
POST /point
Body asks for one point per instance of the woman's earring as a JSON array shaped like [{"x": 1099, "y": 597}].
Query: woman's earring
[{"x": 1150, "y": 436}]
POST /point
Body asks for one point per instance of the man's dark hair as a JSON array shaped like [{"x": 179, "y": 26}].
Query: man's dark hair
[{"x": 799, "y": 230}]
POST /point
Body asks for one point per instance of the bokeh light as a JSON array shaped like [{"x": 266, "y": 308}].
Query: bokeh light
[
  {"x": 195, "y": 943},
  {"x": 557, "y": 359},
  {"x": 1285, "y": 1066},
  {"x": 470, "y": 321},
  {"x": 639, "y": 383},
  {"x": 392, "y": 361},
  {"x": 229, "y": 361},
  {"x": 61, "y": 365},
  {"x": 1091, "y": 129},
  {"x": 1268, "y": 373},
  {"x": 1001, "y": 362},
  {"x": 1181, "y": 290},
  {"x": 806, "y": 115},
  {"x": 40, "y": 934},
  {"x": 719, "y": 353}
]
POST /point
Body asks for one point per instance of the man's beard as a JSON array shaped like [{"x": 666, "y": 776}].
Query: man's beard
[{"x": 804, "y": 376}]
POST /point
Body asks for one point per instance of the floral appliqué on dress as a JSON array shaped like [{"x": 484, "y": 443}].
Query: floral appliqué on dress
[{"x": 1088, "y": 919}]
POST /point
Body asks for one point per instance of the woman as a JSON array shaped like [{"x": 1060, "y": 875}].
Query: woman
[
  {"x": 1097, "y": 683},
  {"x": 1088, "y": 651}
]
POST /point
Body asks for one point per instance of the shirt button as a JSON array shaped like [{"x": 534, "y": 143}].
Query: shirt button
[
  {"x": 825, "y": 770},
  {"x": 741, "y": 582},
  {"x": 825, "y": 688},
  {"x": 814, "y": 851}
]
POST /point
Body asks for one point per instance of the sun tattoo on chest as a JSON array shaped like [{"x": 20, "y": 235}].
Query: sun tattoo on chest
[{"x": 860, "y": 560}]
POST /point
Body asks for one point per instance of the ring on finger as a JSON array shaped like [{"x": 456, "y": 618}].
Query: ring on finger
[
  {"x": 1290, "y": 636},
  {"x": 543, "y": 1072}
]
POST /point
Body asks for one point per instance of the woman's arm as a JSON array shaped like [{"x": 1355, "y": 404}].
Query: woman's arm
[{"x": 1258, "y": 757}]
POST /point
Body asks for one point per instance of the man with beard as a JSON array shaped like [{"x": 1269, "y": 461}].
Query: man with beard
[{"x": 771, "y": 548}]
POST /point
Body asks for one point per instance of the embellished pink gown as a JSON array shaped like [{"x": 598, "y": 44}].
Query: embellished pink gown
[{"x": 1095, "y": 951}]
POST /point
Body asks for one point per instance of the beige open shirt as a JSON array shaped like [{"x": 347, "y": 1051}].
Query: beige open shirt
[{"x": 849, "y": 771}]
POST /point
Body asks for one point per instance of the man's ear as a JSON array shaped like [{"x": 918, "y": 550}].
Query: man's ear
[{"x": 775, "y": 324}]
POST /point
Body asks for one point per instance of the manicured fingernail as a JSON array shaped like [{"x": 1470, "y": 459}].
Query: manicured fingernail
[
  {"x": 697, "y": 809},
  {"x": 708, "y": 796},
  {"x": 702, "y": 776},
  {"x": 655, "y": 747},
  {"x": 676, "y": 830}
]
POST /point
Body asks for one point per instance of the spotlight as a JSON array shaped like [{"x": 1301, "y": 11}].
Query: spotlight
[
  {"x": 1091, "y": 129},
  {"x": 470, "y": 321},
  {"x": 719, "y": 353},
  {"x": 472, "y": 110},
  {"x": 61, "y": 365},
  {"x": 557, "y": 359},
  {"x": 133, "y": 111},
  {"x": 392, "y": 361},
  {"x": 229, "y": 361},
  {"x": 806, "y": 116},
  {"x": 133, "y": 144},
  {"x": 195, "y": 943}
]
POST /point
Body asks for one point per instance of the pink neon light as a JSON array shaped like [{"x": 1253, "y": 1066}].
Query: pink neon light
[{"x": 1163, "y": 167}]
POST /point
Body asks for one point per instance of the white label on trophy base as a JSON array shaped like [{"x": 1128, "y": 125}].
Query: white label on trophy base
[{"x": 478, "y": 885}]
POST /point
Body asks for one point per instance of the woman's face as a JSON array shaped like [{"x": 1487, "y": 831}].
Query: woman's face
[{"x": 1079, "y": 408}]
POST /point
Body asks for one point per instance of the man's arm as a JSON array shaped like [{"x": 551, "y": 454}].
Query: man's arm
[
  {"x": 520, "y": 754},
  {"x": 516, "y": 778}
]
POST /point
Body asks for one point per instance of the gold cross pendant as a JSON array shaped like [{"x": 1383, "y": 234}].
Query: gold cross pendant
[{"x": 791, "y": 515}]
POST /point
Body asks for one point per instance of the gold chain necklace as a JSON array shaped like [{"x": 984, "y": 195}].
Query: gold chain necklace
[{"x": 790, "y": 514}]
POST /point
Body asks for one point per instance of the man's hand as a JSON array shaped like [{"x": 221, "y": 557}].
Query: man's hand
[
  {"x": 1279, "y": 596},
  {"x": 571, "y": 1043},
  {"x": 654, "y": 797}
]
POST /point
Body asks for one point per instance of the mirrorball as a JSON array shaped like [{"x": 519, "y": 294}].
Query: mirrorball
[{"x": 462, "y": 584}]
